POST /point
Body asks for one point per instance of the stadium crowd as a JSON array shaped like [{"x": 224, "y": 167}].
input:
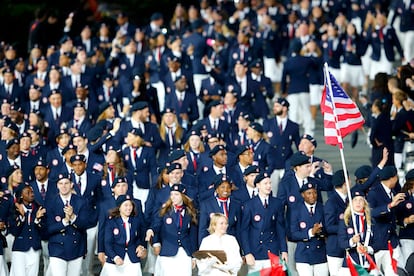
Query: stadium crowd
[{"x": 145, "y": 144}]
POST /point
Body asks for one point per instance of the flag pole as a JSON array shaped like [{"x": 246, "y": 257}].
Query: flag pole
[{"x": 341, "y": 150}]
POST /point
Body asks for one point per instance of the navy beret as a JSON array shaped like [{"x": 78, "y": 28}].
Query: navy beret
[
  {"x": 173, "y": 166},
  {"x": 175, "y": 155},
  {"x": 41, "y": 163},
  {"x": 103, "y": 106},
  {"x": 363, "y": 172},
  {"x": 387, "y": 172},
  {"x": 11, "y": 169},
  {"x": 61, "y": 132},
  {"x": 338, "y": 178},
  {"x": 168, "y": 110},
  {"x": 283, "y": 102},
  {"x": 257, "y": 127},
  {"x": 214, "y": 103},
  {"x": 357, "y": 193},
  {"x": 299, "y": 158},
  {"x": 198, "y": 23},
  {"x": 69, "y": 147},
  {"x": 12, "y": 142},
  {"x": 94, "y": 133},
  {"x": 216, "y": 149},
  {"x": 64, "y": 39},
  {"x": 121, "y": 199},
  {"x": 307, "y": 186},
  {"x": 310, "y": 138},
  {"x": 119, "y": 179},
  {"x": 136, "y": 132},
  {"x": 256, "y": 63},
  {"x": 409, "y": 175},
  {"x": 139, "y": 106},
  {"x": 25, "y": 135},
  {"x": 79, "y": 104},
  {"x": 63, "y": 176},
  {"x": 241, "y": 149},
  {"x": 79, "y": 134},
  {"x": 219, "y": 179},
  {"x": 19, "y": 189},
  {"x": 178, "y": 188},
  {"x": 251, "y": 169},
  {"x": 156, "y": 16},
  {"x": 12, "y": 126},
  {"x": 247, "y": 116},
  {"x": 260, "y": 177},
  {"x": 78, "y": 157}
]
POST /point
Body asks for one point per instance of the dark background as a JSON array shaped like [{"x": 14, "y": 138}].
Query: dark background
[{"x": 16, "y": 16}]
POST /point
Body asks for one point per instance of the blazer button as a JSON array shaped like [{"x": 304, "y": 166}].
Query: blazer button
[
  {"x": 63, "y": 234},
  {"x": 30, "y": 230},
  {"x": 318, "y": 246},
  {"x": 260, "y": 242},
  {"x": 74, "y": 242},
  {"x": 307, "y": 246},
  {"x": 261, "y": 233},
  {"x": 179, "y": 233},
  {"x": 30, "y": 238},
  {"x": 271, "y": 233},
  {"x": 271, "y": 240},
  {"x": 61, "y": 243}
]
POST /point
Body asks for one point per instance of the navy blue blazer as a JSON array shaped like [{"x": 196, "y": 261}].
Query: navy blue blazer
[
  {"x": 263, "y": 229},
  {"x": 16, "y": 95},
  {"x": 384, "y": 218},
  {"x": 105, "y": 206},
  {"x": 390, "y": 41},
  {"x": 67, "y": 242},
  {"x": 346, "y": 232},
  {"x": 334, "y": 213},
  {"x": 404, "y": 210},
  {"x": 200, "y": 50},
  {"x": 263, "y": 155},
  {"x": 68, "y": 93},
  {"x": 210, "y": 206},
  {"x": 297, "y": 68},
  {"x": 330, "y": 54},
  {"x": 241, "y": 194},
  {"x": 151, "y": 134},
  {"x": 144, "y": 170},
  {"x": 115, "y": 238},
  {"x": 309, "y": 250},
  {"x": 27, "y": 234},
  {"x": 171, "y": 236},
  {"x": 92, "y": 195},
  {"x": 51, "y": 192},
  {"x": 281, "y": 142},
  {"x": 188, "y": 105}
]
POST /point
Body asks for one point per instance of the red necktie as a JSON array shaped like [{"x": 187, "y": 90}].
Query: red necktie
[
  {"x": 349, "y": 42},
  {"x": 223, "y": 205},
  {"x": 178, "y": 211},
  {"x": 381, "y": 34},
  {"x": 126, "y": 242},
  {"x": 194, "y": 161},
  {"x": 112, "y": 171},
  {"x": 134, "y": 150},
  {"x": 281, "y": 128},
  {"x": 159, "y": 54},
  {"x": 108, "y": 93},
  {"x": 43, "y": 191},
  {"x": 291, "y": 31}
]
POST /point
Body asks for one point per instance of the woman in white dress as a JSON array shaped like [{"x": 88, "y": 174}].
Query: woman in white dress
[{"x": 219, "y": 240}]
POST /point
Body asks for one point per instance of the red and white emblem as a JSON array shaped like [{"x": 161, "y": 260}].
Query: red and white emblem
[
  {"x": 350, "y": 231},
  {"x": 257, "y": 217},
  {"x": 302, "y": 225},
  {"x": 55, "y": 162},
  {"x": 1, "y": 157},
  {"x": 103, "y": 182},
  {"x": 270, "y": 134},
  {"x": 235, "y": 56},
  {"x": 58, "y": 219},
  {"x": 116, "y": 231},
  {"x": 341, "y": 216},
  {"x": 292, "y": 198},
  {"x": 409, "y": 205},
  {"x": 123, "y": 66},
  {"x": 3, "y": 179},
  {"x": 205, "y": 169},
  {"x": 211, "y": 215},
  {"x": 168, "y": 221},
  {"x": 126, "y": 157}
]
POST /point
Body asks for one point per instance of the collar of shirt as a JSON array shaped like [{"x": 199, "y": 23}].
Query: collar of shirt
[
  {"x": 180, "y": 95},
  {"x": 86, "y": 153},
  {"x": 39, "y": 184},
  {"x": 301, "y": 181},
  {"x": 64, "y": 199},
  {"x": 250, "y": 190},
  {"x": 341, "y": 195},
  {"x": 387, "y": 190},
  {"x": 282, "y": 120},
  {"x": 256, "y": 77},
  {"x": 130, "y": 56},
  {"x": 17, "y": 161},
  {"x": 217, "y": 169},
  {"x": 309, "y": 206},
  {"x": 242, "y": 168},
  {"x": 262, "y": 199}
]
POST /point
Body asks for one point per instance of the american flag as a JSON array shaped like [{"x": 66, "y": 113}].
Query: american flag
[{"x": 341, "y": 116}]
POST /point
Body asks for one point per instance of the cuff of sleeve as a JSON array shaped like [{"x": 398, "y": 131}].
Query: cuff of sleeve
[
  {"x": 310, "y": 233},
  {"x": 157, "y": 244}
]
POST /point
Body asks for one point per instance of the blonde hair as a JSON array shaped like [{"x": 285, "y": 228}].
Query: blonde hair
[
  {"x": 178, "y": 130},
  {"x": 367, "y": 211},
  {"x": 213, "y": 221},
  {"x": 187, "y": 147},
  {"x": 187, "y": 202}
]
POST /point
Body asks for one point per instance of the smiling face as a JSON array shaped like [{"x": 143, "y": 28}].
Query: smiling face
[
  {"x": 64, "y": 186},
  {"x": 310, "y": 196},
  {"x": 126, "y": 208},
  {"x": 176, "y": 198},
  {"x": 264, "y": 187},
  {"x": 221, "y": 226},
  {"x": 224, "y": 190}
]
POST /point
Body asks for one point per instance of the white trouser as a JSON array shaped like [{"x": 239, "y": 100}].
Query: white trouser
[
  {"x": 126, "y": 269},
  {"x": 25, "y": 263},
  {"x": 407, "y": 248},
  {"x": 4, "y": 270},
  {"x": 197, "y": 79},
  {"x": 383, "y": 260},
  {"x": 291, "y": 258},
  {"x": 178, "y": 265},
  {"x": 60, "y": 267},
  {"x": 299, "y": 111},
  {"x": 7, "y": 250},
  {"x": 45, "y": 256},
  {"x": 408, "y": 45},
  {"x": 312, "y": 270},
  {"x": 381, "y": 66},
  {"x": 87, "y": 263},
  {"x": 275, "y": 180},
  {"x": 141, "y": 194},
  {"x": 272, "y": 69},
  {"x": 160, "y": 94},
  {"x": 334, "y": 265},
  {"x": 259, "y": 265}
]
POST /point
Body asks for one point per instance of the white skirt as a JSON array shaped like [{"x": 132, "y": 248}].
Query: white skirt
[
  {"x": 352, "y": 74},
  {"x": 127, "y": 269},
  {"x": 178, "y": 265},
  {"x": 381, "y": 66},
  {"x": 273, "y": 70}
]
